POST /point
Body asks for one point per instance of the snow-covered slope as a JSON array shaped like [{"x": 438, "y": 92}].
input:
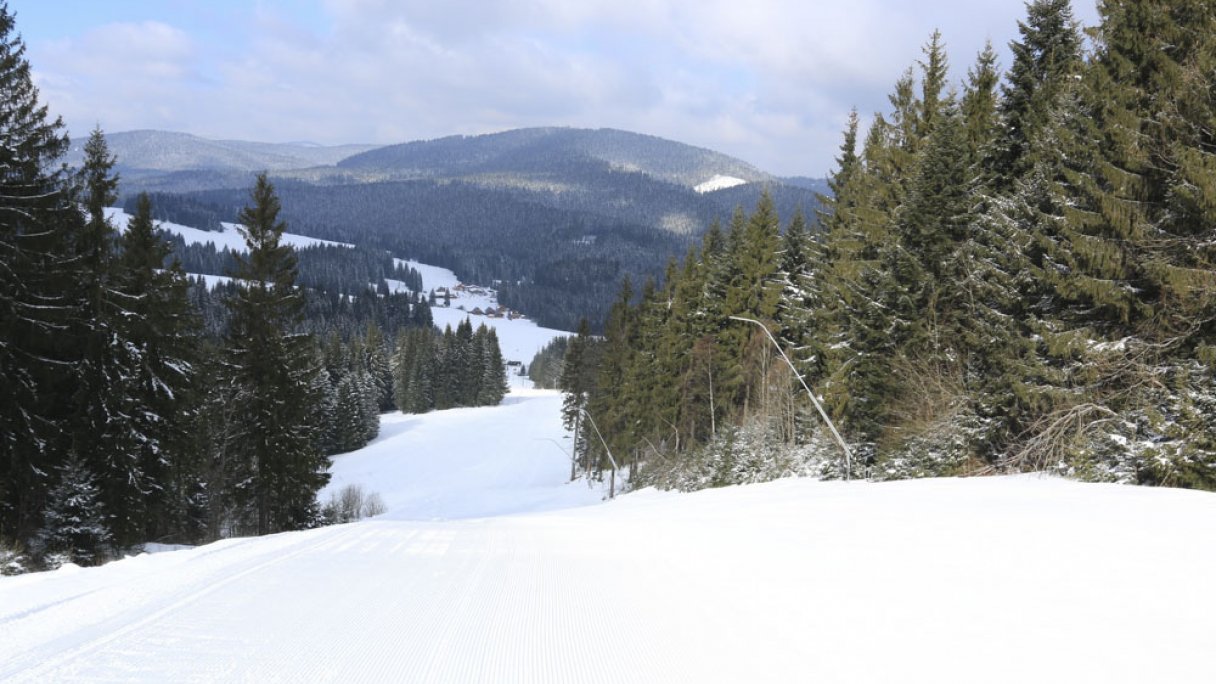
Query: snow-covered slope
[
  {"x": 230, "y": 237},
  {"x": 519, "y": 338},
  {"x": 1017, "y": 579},
  {"x": 468, "y": 462},
  {"x": 719, "y": 182}
]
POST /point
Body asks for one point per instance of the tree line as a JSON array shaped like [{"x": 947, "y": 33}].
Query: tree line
[
  {"x": 1015, "y": 273},
  {"x": 138, "y": 406},
  {"x": 460, "y": 367}
]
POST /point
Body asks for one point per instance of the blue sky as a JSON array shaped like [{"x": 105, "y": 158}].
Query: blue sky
[{"x": 769, "y": 81}]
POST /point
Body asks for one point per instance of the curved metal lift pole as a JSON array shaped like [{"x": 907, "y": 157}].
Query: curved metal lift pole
[
  {"x": 848, "y": 455},
  {"x": 615, "y": 467}
]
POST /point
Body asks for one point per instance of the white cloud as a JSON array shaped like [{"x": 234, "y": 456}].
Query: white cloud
[{"x": 770, "y": 81}]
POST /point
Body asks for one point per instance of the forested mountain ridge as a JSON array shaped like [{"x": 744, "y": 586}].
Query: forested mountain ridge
[
  {"x": 557, "y": 216},
  {"x": 167, "y": 151},
  {"x": 1017, "y": 272},
  {"x": 547, "y": 149}
]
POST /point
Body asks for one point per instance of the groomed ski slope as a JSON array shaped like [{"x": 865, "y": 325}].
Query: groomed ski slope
[{"x": 1018, "y": 579}]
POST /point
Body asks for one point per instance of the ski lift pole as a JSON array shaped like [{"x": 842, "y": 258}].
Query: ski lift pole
[
  {"x": 615, "y": 467},
  {"x": 848, "y": 455}
]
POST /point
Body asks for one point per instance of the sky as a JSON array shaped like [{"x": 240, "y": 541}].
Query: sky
[{"x": 769, "y": 81}]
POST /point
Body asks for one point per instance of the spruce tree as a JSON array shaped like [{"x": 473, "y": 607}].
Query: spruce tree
[
  {"x": 979, "y": 103},
  {"x": 274, "y": 369},
  {"x": 619, "y": 350},
  {"x": 379, "y": 370},
  {"x": 75, "y": 519},
  {"x": 162, "y": 330},
  {"x": 35, "y": 217},
  {"x": 804, "y": 312},
  {"x": 493, "y": 386},
  {"x": 1140, "y": 289},
  {"x": 678, "y": 418},
  {"x": 104, "y": 429},
  {"x": 1045, "y": 60},
  {"x": 1018, "y": 231},
  {"x": 934, "y": 71},
  {"x": 576, "y": 386},
  {"x": 931, "y": 227},
  {"x": 403, "y": 363}
]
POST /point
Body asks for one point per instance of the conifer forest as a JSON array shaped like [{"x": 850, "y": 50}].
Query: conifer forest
[
  {"x": 138, "y": 405},
  {"x": 1013, "y": 271}
]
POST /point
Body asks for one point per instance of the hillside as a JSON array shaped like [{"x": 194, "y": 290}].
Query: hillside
[
  {"x": 1011, "y": 579},
  {"x": 549, "y": 150},
  {"x": 559, "y": 216},
  {"x": 145, "y": 152}
]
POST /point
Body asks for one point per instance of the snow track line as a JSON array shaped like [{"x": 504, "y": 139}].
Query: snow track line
[
  {"x": 33, "y": 610},
  {"x": 62, "y": 657},
  {"x": 28, "y": 612}
]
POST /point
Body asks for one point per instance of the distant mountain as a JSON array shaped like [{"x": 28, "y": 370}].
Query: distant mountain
[
  {"x": 559, "y": 215},
  {"x": 164, "y": 151},
  {"x": 546, "y": 149}
]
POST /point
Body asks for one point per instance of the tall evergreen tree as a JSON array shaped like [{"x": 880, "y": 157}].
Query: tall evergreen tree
[
  {"x": 35, "y": 216},
  {"x": 804, "y": 309},
  {"x": 576, "y": 384},
  {"x": 1045, "y": 60},
  {"x": 104, "y": 432},
  {"x": 493, "y": 386},
  {"x": 273, "y": 365},
  {"x": 934, "y": 71},
  {"x": 610, "y": 407},
  {"x": 162, "y": 330},
  {"x": 979, "y": 104},
  {"x": 1139, "y": 289},
  {"x": 378, "y": 367}
]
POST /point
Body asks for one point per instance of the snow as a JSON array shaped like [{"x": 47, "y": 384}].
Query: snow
[
  {"x": 519, "y": 338},
  {"x": 230, "y": 237},
  {"x": 212, "y": 281},
  {"x": 719, "y": 182},
  {"x": 490, "y": 567},
  {"x": 434, "y": 466},
  {"x": 395, "y": 286},
  {"x": 432, "y": 276}
]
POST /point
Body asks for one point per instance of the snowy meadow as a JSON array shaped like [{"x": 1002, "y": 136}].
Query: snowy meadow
[{"x": 488, "y": 566}]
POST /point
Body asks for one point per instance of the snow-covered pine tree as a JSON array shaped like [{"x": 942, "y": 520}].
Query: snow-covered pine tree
[
  {"x": 576, "y": 383},
  {"x": 163, "y": 331},
  {"x": 1140, "y": 289},
  {"x": 1017, "y": 193},
  {"x": 423, "y": 372},
  {"x": 350, "y": 420},
  {"x": 402, "y": 364},
  {"x": 608, "y": 404},
  {"x": 803, "y": 317},
  {"x": 465, "y": 365},
  {"x": 325, "y": 415},
  {"x": 648, "y": 412},
  {"x": 369, "y": 406},
  {"x": 35, "y": 213},
  {"x": 74, "y": 524},
  {"x": 494, "y": 377},
  {"x": 379, "y": 369},
  {"x": 274, "y": 369},
  {"x": 104, "y": 431}
]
